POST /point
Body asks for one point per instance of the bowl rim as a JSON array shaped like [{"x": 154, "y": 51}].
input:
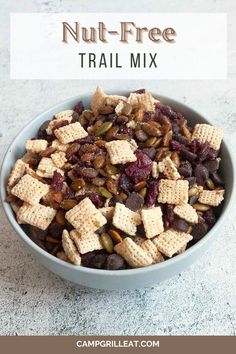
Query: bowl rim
[{"x": 110, "y": 273}]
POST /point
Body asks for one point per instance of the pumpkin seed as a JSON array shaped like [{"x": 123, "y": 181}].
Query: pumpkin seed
[
  {"x": 143, "y": 192},
  {"x": 111, "y": 170},
  {"x": 60, "y": 217},
  {"x": 107, "y": 242},
  {"x": 210, "y": 183},
  {"x": 193, "y": 191},
  {"x": 77, "y": 184},
  {"x": 151, "y": 129},
  {"x": 68, "y": 204},
  {"x": 104, "y": 192},
  {"x": 103, "y": 128},
  {"x": 116, "y": 237},
  {"x": 201, "y": 207},
  {"x": 140, "y": 185}
]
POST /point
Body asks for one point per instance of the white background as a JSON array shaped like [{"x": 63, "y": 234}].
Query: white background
[{"x": 199, "y": 52}]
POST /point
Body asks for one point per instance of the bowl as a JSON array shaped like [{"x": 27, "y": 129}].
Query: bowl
[{"x": 121, "y": 279}]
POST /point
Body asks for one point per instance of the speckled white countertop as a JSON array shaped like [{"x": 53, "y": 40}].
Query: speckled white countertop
[{"x": 202, "y": 299}]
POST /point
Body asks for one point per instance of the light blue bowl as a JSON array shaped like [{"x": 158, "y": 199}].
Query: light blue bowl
[{"x": 122, "y": 279}]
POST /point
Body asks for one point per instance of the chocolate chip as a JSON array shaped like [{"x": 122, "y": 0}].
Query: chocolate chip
[
  {"x": 134, "y": 202},
  {"x": 180, "y": 225},
  {"x": 198, "y": 231}
]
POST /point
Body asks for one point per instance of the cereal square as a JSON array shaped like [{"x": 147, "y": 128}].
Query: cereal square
[
  {"x": 58, "y": 146},
  {"x": 152, "y": 221},
  {"x": 86, "y": 243},
  {"x": 143, "y": 100},
  {"x": 85, "y": 217},
  {"x": 120, "y": 151},
  {"x": 36, "y": 215},
  {"x": 70, "y": 248},
  {"x": 171, "y": 241},
  {"x": 149, "y": 247},
  {"x": 36, "y": 145},
  {"x": 30, "y": 190},
  {"x": 168, "y": 168},
  {"x": 206, "y": 132},
  {"x": 46, "y": 168},
  {"x": 212, "y": 198},
  {"x": 17, "y": 172},
  {"x": 60, "y": 117},
  {"x": 186, "y": 212},
  {"x": 126, "y": 219},
  {"x": 173, "y": 192},
  {"x": 59, "y": 159},
  {"x": 70, "y": 133},
  {"x": 134, "y": 255}
]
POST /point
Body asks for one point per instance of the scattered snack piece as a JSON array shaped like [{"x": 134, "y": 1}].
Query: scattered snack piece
[
  {"x": 17, "y": 172},
  {"x": 126, "y": 219},
  {"x": 120, "y": 152},
  {"x": 37, "y": 215},
  {"x": 149, "y": 247},
  {"x": 206, "y": 132},
  {"x": 65, "y": 114},
  {"x": 152, "y": 221},
  {"x": 173, "y": 192},
  {"x": 186, "y": 212},
  {"x": 171, "y": 241},
  {"x": 46, "y": 168},
  {"x": 36, "y": 145},
  {"x": 212, "y": 198},
  {"x": 85, "y": 217},
  {"x": 70, "y": 248},
  {"x": 70, "y": 133},
  {"x": 59, "y": 159},
  {"x": 168, "y": 168},
  {"x": 86, "y": 243},
  {"x": 134, "y": 255},
  {"x": 30, "y": 190}
]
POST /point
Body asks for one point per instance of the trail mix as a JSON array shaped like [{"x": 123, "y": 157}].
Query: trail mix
[{"x": 124, "y": 184}]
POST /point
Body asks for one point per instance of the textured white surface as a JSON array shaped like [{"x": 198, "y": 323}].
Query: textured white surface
[{"x": 199, "y": 301}]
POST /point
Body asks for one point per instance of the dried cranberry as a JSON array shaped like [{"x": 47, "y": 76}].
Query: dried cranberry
[
  {"x": 79, "y": 107},
  {"x": 96, "y": 199},
  {"x": 152, "y": 193},
  {"x": 134, "y": 202},
  {"x": 139, "y": 170},
  {"x": 140, "y": 91},
  {"x": 175, "y": 127},
  {"x": 180, "y": 225},
  {"x": 125, "y": 183},
  {"x": 201, "y": 174},
  {"x": 198, "y": 231},
  {"x": 115, "y": 262},
  {"x": 185, "y": 169},
  {"x": 175, "y": 145},
  {"x": 167, "y": 110},
  {"x": 209, "y": 217},
  {"x": 212, "y": 165},
  {"x": 150, "y": 152},
  {"x": 60, "y": 124},
  {"x": 57, "y": 181},
  {"x": 212, "y": 154}
]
